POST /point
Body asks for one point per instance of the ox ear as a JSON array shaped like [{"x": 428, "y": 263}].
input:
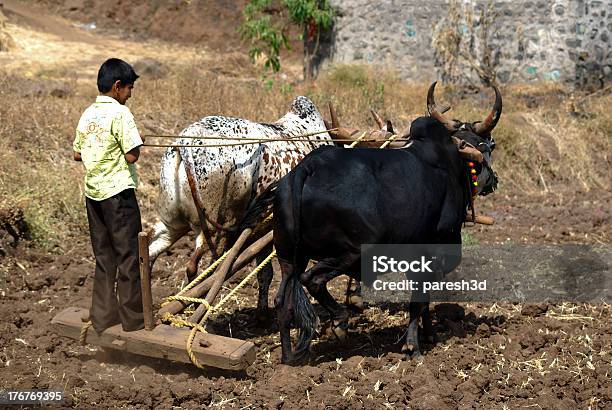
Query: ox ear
[
  {"x": 467, "y": 151},
  {"x": 388, "y": 127}
]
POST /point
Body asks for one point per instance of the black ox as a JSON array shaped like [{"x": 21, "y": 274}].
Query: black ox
[{"x": 337, "y": 199}]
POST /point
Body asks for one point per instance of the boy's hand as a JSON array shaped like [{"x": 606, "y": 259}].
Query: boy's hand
[{"x": 132, "y": 156}]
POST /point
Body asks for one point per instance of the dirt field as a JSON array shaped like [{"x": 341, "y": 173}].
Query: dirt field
[
  {"x": 503, "y": 355},
  {"x": 492, "y": 356}
]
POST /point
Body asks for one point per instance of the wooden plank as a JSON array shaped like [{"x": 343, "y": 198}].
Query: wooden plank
[
  {"x": 164, "y": 342},
  {"x": 145, "y": 280}
]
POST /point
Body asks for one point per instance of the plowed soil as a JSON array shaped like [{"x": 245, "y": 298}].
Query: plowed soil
[{"x": 487, "y": 355}]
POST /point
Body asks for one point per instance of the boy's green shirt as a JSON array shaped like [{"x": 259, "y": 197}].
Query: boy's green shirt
[{"x": 107, "y": 131}]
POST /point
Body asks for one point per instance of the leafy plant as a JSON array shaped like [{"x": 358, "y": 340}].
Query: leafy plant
[{"x": 269, "y": 35}]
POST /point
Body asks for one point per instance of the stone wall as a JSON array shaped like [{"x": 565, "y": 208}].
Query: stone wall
[{"x": 531, "y": 40}]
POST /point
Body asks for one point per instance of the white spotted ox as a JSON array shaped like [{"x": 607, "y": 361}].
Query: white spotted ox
[{"x": 225, "y": 179}]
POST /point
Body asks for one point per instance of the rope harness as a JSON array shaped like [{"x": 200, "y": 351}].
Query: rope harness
[
  {"x": 83, "y": 335},
  {"x": 200, "y": 326}
]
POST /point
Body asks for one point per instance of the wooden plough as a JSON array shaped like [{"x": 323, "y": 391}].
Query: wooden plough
[{"x": 168, "y": 341}]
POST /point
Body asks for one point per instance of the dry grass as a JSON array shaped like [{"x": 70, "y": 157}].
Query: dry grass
[
  {"x": 546, "y": 139},
  {"x": 6, "y": 40}
]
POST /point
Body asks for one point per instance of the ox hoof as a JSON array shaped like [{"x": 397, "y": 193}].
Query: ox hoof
[
  {"x": 407, "y": 348},
  {"x": 356, "y": 301},
  {"x": 338, "y": 331},
  {"x": 411, "y": 351},
  {"x": 416, "y": 355},
  {"x": 190, "y": 272},
  {"x": 295, "y": 359}
]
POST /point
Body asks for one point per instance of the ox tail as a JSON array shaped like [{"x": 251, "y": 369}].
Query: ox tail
[
  {"x": 304, "y": 316},
  {"x": 297, "y": 178},
  {"x": 257, "y": 207},
  {"x": 187, "y": 160}
]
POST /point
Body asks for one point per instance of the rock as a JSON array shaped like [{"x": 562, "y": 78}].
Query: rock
[
  {"x": 456, "y": 328},
  {"x": 74, "y": 5},
  {"x": 483, "y": 330},
  {"x": 534, "y": 310},
  {"x": 149, "y": 67},
  {"x": 450, "y": 311}
]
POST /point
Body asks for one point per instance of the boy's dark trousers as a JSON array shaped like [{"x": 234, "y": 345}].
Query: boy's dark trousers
[{"x": 114, "y": 224}]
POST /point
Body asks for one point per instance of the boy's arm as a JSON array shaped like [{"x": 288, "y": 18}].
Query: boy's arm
[
  {"x": 128, "y": 137},
  {"x": 77, "y": 144}
]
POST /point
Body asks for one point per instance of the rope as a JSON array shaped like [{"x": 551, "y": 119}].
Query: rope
[
  {"x": 258, "y": 142},
  {"x": 179, "y": 322},
  {"x": 83, "y": 335},
  {"x": 194, "y": 282},
  {"x": 187, "y": 299},
  {"x": 195, "y": 327},
  {"x": 358, "y": 140},
  {"x": 393, "y": 137},
  {"x": 310, "y": 134}
]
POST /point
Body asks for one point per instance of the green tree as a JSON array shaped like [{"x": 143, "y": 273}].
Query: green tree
[{"x": 268, "y": 34}]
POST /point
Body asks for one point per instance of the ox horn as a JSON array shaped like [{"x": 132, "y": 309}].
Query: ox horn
[
  {"x": 490, "y": 122},
  {"x": 334, "y": 119},
  {"x": 437, "y": 115},
  {"x": 341, "y": 132},
  {"x": 378, "y": 119}
]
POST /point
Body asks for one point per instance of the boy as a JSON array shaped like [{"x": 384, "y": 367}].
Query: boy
[{"x": 108, "y": 142}]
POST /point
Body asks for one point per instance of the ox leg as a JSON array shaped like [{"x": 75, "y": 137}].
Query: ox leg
[
  {"x": 162, "y": 238},
  {"x": 428, "y": 332},
  {"x": 192, "y": 266},
  {"x": 264, "y": 278},
  {"x": 315, "y": 280},
  {"x": 411, "y": 348},
  {"x": 339, "y": 314},
  {"x": 354, "y": 298}
]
